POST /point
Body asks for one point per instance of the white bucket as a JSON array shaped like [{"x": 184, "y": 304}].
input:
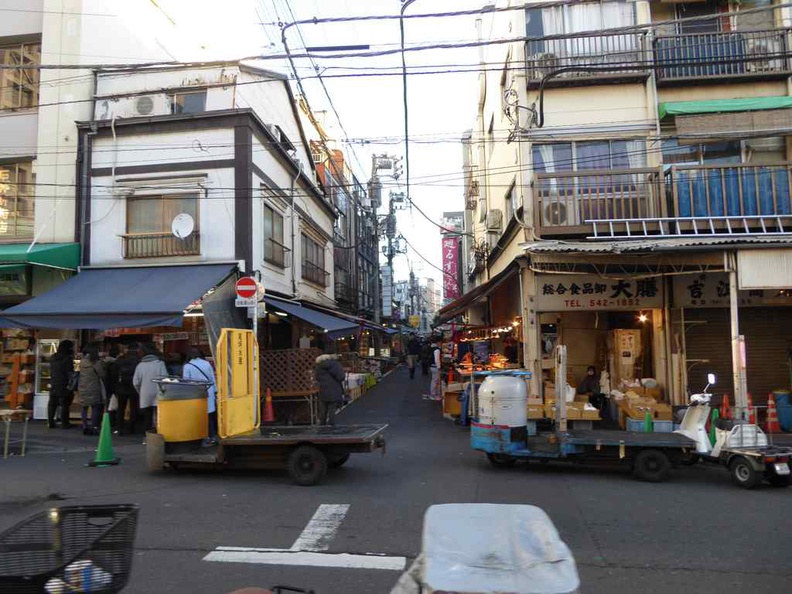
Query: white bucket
[{"x": 503, "y": 400}]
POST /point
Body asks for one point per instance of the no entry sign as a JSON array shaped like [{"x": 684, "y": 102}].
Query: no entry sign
[{"x": 246, "y": 287}]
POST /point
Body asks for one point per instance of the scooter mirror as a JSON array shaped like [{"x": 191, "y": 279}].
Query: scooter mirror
[{"x": 711, "y": 379}]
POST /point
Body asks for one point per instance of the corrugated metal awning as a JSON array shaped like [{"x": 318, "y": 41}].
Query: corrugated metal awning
[{"x": 676, "y": 244}]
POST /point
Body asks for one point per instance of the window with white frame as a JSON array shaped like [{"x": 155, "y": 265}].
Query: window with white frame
[
  {"x": 17, "y": 190},
  {"x": 189, "y": 102}
]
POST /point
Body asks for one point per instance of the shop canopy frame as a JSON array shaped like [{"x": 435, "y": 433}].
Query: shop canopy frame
[
  {"x": 63, "y": 256},
  {"x": 332, "y": 325},
  {"x": 122, "y": 297}
]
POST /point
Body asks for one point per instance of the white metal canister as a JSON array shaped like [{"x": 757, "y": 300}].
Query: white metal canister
[{"x": 503, "y": 400}]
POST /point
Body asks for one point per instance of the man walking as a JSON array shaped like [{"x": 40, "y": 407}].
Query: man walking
[{"x": 413, "y": 351}]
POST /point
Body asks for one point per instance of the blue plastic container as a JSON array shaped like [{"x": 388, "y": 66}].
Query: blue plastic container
[
  {"x": 663, "y": 426},
  {"x": 784, "y": 405}
]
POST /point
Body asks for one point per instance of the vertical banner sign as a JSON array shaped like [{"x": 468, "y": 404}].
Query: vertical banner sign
[
  {"x": 387, "y": 292},
  {"x": 451, "y": 267}
]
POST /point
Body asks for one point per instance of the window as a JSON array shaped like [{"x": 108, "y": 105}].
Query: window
[
  {"x": 313, "y": 261},
  {"x": 17, "y": 189},
  {"x": 690, "y": 10},
  {"x": 19, "y": 88},
  {"x": 194, "y": 102},
  {"x": 274, "y": 250},
  {"x": 714, "y": 153},
  {"x": 149, "y": 220},
  {"x": 594, "y": 155}
]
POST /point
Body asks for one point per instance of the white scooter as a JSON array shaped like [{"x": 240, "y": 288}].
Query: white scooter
[{"x": 743, "y": 448}]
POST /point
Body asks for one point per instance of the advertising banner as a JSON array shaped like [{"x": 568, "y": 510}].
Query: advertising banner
[{"x": 451, "y": 267}]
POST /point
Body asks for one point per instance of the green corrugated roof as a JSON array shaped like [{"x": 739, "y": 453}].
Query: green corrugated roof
[
  {"x": 673, "y": 108},
  {"x": 56, "y": 255}
]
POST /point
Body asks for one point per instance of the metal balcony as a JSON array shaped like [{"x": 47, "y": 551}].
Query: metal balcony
[
  {"x": 276, "y": 253},
  {"x": 160, "y": 245},
  {"x": 314, "y": 274}
]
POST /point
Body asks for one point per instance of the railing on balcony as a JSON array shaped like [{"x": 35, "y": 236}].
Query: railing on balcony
[
  {"x": 158, "y": 245},
  {"x": 737, "y": 190},
  {"x": 276, "y": 253},
  {"x": 622, "y": 54},
  {"x": 315, "y": 274},
  {"x": 344, "y": 291},
  {"x": 566, "y": 200},
  {"x": 721, "y": 55}
]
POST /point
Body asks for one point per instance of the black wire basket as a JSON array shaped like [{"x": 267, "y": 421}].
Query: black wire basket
[{"x": 69, "y": 549}]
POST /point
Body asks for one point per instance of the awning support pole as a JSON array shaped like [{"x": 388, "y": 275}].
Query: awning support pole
[{"x": 737, "y": 342}]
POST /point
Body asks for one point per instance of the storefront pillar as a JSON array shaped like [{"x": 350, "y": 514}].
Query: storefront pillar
[
  {"x": 737, "y": 341},
  {"x": 530, "y": 327}
]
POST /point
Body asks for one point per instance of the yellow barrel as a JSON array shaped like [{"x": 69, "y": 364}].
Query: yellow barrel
[{"x": 182, "y": 420}]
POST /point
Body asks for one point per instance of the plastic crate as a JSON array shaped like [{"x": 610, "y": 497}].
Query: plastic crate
[
  {"x": 69, "y": 549},
  {"x": 663, "y": 426},
  {"x": 635, "y": 425}
]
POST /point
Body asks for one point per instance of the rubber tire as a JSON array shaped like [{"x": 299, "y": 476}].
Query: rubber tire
[
  {"x": 743, "y": 473},
  {"x": 337, "y": 461},
  {"x": 652, "y": 466},
  {"x": 307, "y": 465},
  {"x": 501, "y": 460},
  {"x": 778, "y": 481}
]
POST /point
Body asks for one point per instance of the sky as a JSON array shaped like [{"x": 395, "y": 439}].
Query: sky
[{"x": 370, "y": 108}]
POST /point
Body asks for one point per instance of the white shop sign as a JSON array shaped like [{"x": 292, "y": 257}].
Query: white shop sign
[
  {"x": 712, "y": 290},
  {"x": 562, "y": 292}
]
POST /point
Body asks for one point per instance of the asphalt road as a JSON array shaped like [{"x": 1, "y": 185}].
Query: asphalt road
[{"x": 696, "y": 533}]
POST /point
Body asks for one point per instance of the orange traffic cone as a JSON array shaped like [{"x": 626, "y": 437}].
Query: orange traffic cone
[
  {"x": 725, "y": 411},
  {"x": 772, "y": 426},
  {"x": 269, "y": 414},
  {"x": 751, "y": 411}
]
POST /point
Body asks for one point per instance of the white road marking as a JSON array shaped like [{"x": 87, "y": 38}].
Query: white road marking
[
  {"x": 322, "y": 528},
  {"x": 341, "y": 560}
]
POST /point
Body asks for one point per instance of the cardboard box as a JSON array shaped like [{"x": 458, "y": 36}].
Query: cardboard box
[
  {"x": 536, "y": 412},
  {"x": 535, "y": 400}
]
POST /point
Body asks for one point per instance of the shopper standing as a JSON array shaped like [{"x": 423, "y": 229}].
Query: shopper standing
[
  {"x": 198, "y": 368},
  {"x": 330, "y": 377},
  {"x": 426, "y": 358},
  {"x": 61, "y": 393},
  {"x": 150, "y": 368},
  {"x": 91, "y": 389},
  {"x": 435, "y": 386},
  {"x": 125, "y": 390}
]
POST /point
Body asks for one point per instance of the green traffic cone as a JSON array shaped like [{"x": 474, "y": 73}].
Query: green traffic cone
[
  {"x": 648, "y": 423},
  {"x": 715, "y": 416},
  {"x": 105, "y": 456}
]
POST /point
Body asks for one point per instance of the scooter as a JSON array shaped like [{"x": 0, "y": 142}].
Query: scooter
[{"x": 741, "y": 447}]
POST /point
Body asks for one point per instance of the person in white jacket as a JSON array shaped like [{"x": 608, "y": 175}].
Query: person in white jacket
[
  {"x": 198, "y": 368},
  {"x": 151, "y": 367}
]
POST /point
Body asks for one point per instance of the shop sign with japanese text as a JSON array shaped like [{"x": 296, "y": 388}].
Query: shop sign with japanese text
[
  {"x": 451, "y": 267},
  {"x": 712, "y": 290},
  {"x": 590, "y": 292}
]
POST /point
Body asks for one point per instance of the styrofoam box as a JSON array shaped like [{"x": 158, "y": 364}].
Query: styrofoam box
[{"x": 40, "y": 402}]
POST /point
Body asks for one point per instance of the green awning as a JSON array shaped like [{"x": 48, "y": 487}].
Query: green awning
[
  {"x": 674, "y": 108},
  {"x": 55, "y": 255}
]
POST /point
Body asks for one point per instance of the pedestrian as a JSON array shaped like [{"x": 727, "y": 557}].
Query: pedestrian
[
  {"x": 91, "y": 389},
  {"x": 426, "y": 358},
  {"x": 175, "y": 364},
  {"x": 435, "y": 385},
  {"x": 62, "y": 378},
  {"x": 330, "y": 377},
  {"x": 413, "y": 352},
  {"x": 110, "y": 380},
  {"x": 591, "y": 387},
  {"x": 150, "y": 368},
  {"x": 198, "y": 368},
  {"x": 125, "y": 391}
]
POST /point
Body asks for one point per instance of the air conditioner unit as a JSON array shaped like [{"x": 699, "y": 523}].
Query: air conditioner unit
[
  {"x": 495, "y": 220},
  {"x": 558, "y": 214},
  {"x": 544, "y": 62},
  {"x": 758, "y": 58},
  {"x": 135, "y": 107}
]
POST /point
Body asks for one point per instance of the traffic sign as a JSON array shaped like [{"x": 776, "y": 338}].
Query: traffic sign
[
  {"x": 246, "y": 288},
  {"x": 246, "y": 302}
]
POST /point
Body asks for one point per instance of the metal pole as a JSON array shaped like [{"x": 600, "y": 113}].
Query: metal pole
[
  {"x": 737, "y": 348},
  {"x": 405, "y": 4}
]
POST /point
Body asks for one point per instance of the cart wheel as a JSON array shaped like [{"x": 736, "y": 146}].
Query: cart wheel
[
  {"x": 501, "y": 459},
  {"x": 743, "y": 473},
  {"x": 307, "y": 465},
  {"x": 652, "y": 466},
  {"x": 337, "y": 461},
  {"x": 777, "y": 480}
]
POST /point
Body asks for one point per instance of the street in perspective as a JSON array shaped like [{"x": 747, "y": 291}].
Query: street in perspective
[{"x": 395, "y": 297}]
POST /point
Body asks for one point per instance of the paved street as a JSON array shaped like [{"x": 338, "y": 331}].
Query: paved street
[{"x": 696, "y": 533}]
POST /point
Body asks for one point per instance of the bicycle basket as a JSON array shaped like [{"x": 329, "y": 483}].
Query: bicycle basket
[{"x": 69, "y": 549}]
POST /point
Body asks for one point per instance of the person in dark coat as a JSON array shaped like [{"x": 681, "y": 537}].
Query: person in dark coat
[
  {"x": 125, "y": 390},
  {"x": 413, "y": 352},
  {"x": 426, "y": 358},
  {"x": 330, "y": 377},
  {"x": 61, "y": 372},
  {"x": 91, "y": 389}
]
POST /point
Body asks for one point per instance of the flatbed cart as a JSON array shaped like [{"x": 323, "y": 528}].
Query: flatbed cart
[
  {"x": 305, "y": 451},
  {"x": 650, "y": 456}
]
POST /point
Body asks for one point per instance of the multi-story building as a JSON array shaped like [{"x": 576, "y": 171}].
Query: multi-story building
[{"x": 628, "y": 179}]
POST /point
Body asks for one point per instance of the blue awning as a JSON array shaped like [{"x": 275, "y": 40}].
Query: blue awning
[
  {"x": 118, "y": 298},
  {"x": 328, "y": 323}
]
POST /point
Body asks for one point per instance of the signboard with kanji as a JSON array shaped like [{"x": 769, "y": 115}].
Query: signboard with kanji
[
  {"x": 712, "y": 290},
  {"x": 561, "y": 292},
  {"x": 451, "y": 267}
]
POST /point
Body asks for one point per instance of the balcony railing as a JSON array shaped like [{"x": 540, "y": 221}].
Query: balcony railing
[
  {"x": 344, "y": 291},
  {"x": 721, "y": 55},
  {"x": 315, "y": 274},
  {"x": 276, "y": 253},
  {"x": 625, "y": 53},
  {"x": 566, "y": 200},
  {"x": 158, "y": 245},
  {"x": 740, "y": 190}
]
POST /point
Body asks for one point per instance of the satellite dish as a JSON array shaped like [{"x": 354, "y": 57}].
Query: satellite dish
[{"x": 183, "y": 225}]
